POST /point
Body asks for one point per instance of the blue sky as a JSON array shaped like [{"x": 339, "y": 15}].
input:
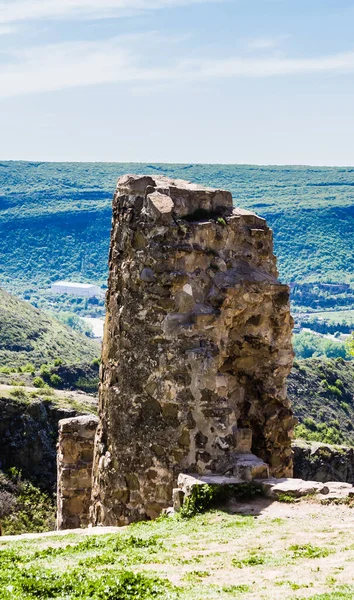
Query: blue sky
[{"x": 227, "y": 81}]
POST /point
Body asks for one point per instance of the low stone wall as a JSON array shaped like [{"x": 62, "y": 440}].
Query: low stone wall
[
  {"x": 322, "y": 462},
  {"x": 75, "y": 457}
]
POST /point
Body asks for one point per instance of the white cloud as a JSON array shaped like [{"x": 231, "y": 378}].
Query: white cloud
[
  {"x": 22, "y": 10},
  {"x": 7, "y": 29},
  {"x": 266, "y": 43},
  {"x": 268, "y": 67},
  {"x": 60, "y": 66},
  {"x": 68, "y": 65}
]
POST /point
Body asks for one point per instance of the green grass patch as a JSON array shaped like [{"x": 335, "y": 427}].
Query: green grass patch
[
  {"x": 309, "y": 551},
  {"x": 79, "y": 583}
]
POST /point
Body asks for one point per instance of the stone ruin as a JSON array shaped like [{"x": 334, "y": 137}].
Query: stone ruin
[
  {"x": 196, "y": 351},
  {"x": 75, "y": 457}
]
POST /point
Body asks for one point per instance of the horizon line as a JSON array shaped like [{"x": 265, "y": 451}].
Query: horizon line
[{"x": 140, "y": 162}]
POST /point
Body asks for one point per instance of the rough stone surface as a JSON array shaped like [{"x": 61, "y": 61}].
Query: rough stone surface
[
  {"x": 323, "y": 462},
  {"x": 197, "y": 346},
  {"x": 274, "y": 488},
  {"x": 186, "y": 482},
  {"x": 75, "y": 457}
]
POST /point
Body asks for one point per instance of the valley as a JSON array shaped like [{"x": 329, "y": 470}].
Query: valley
[{"x": 48, "y": 360}]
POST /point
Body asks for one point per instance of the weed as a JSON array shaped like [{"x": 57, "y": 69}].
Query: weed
[
  {"x": 250, "y": 561},
  {"x": 345, "y": 592},
  {"x": 308, "y": 551},
  {"x": 286, "y": 498},
  {"x": 196, "y": 575},
  {"x": 236, "y": 589}
]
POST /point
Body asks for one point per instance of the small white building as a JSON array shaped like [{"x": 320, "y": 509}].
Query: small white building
[{"x": 81, "y": 290}]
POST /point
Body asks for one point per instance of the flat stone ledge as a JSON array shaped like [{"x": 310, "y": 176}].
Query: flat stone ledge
[
  {"x": 297, "y": 488},
  {"x": 186, "y": 482},
  {"x": 273, "y": 488}
]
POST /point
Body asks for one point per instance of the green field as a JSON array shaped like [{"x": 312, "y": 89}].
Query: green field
[{"x": 335, "y": 316}]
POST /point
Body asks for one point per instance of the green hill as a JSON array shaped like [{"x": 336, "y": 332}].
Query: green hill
[
  {"x": 28, "y": 335},
  {"x": 55, "y": 220},
  {"x": 322, "y": 395}
]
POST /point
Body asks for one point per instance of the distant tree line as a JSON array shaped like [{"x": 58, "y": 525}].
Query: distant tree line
[
  {"x": 324, "y": 327},
  {"x": 321, "y": 295}
]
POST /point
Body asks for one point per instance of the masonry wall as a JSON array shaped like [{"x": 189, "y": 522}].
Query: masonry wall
[
  {"x": 197, "y": 346},
  {"x": 75, "y": 457}
]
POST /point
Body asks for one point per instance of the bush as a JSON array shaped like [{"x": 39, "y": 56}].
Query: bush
[
  {"x": 7, "y": 503},
  {"x": 19, "y": 393},
  {"x": 320, "y": 432},
  {"x": 28, "y": 368},
  {"x": 334, "y": 390},
  {"x": 88, "y": 385},
  {"x": 45, "y": 371},
  {"x": 32, "y": 511},
  {"x": 38, "y": 382},
  {"x": 55, "y": 380}
]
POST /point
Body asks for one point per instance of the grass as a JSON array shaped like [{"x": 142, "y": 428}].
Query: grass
[
  {"x": 51, "y": 398},
  {"x": 214, "y": 555}
]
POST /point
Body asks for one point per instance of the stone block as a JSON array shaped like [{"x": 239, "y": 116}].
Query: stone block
[
  {"x": 160, "y": 206},
  {"x": 177, "y": 499},
  {"x": 248, "y": 467},
  {"x": 75, "y": 458},
  {"x": 243, "y": 440}
]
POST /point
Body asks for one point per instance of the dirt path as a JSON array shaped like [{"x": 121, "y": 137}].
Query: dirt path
[{"x": 49, "y": 534}]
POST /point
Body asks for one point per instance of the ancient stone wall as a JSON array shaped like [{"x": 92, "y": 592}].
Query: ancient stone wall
[
  {"x": 197, "y": 346},
  {"x": 75, "y": 456}
]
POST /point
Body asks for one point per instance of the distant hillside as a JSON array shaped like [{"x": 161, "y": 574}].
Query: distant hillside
[
  {"x": 55, "y": 218},
  {"x": 28, "y": 335},
  {"x": 322, "y": 395}
]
